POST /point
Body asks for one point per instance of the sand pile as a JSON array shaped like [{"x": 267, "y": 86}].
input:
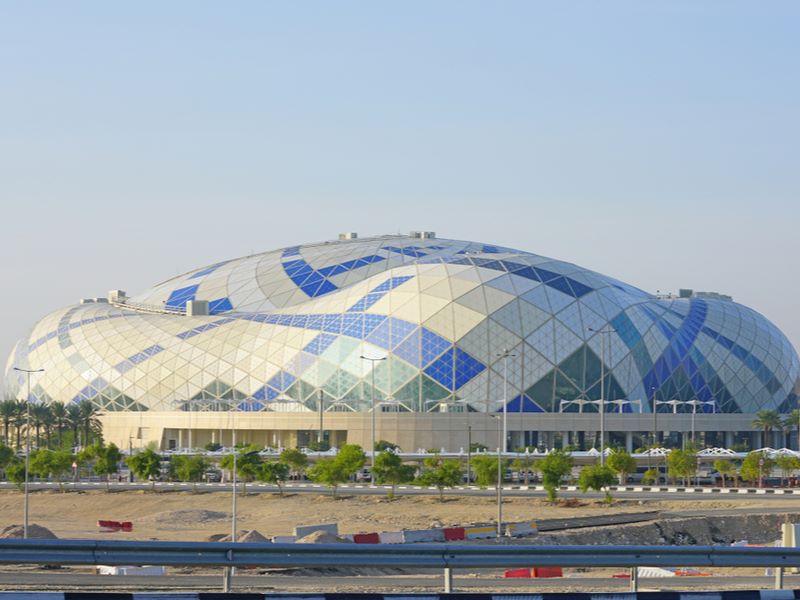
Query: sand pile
[
  {"x": 243, "y": 535},
  {"x": 34, "y": 531},
  {"x": 322, "y": 537}
]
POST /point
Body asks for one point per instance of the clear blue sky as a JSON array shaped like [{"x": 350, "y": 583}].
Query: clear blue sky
[{"x": 653, "y": 141}]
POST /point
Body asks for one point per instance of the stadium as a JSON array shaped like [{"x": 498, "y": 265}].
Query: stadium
[{"x": 421, "y": 341}]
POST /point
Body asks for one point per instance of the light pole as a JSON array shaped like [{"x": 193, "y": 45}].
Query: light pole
[
  {"x": 27, "y": 445},
  {"x": 469, "y": 454},
  {"x": 499, "y": 481},
  {"x": 372, "y": 361},
  {"x": 602, "y": 333},
  {"x": 505, "y": 354}
]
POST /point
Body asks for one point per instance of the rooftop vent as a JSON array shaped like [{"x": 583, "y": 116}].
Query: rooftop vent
[
  {"x": 423, "y": 235},
  {"x": 349, "y": 235}
]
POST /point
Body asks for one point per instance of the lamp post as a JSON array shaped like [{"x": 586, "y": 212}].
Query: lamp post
[
  {"x": 27, "y": 445},
  {"x": 505, "y": 354},
  {"x": 602, "y": 333},
  {"x": 499, "y": 481},
  {"x": 372, "y": 361},
  {"x": 469, "y": 454}
]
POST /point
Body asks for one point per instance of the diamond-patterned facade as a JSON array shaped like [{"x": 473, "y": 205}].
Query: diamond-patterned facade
[{"x": 287, "y": 325}]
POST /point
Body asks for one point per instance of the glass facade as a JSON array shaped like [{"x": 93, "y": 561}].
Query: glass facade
[{"x": 462, "y": 325}]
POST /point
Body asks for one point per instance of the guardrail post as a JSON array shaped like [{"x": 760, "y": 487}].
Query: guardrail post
[
  {"x": 634, "y": 579},
  {"x": 778, "y": 578},
  {"x": 448, "y": 580},
  {"x": 227, "y": 579}
]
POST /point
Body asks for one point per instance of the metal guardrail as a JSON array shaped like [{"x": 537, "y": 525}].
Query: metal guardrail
[{"x": 429, "y": 556}]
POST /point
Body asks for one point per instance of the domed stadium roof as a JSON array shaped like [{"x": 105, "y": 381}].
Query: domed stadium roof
[{"x": 454, "y": 320}]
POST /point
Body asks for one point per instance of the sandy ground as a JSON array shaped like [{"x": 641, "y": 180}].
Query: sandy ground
[{"x": 195, "y": 516}]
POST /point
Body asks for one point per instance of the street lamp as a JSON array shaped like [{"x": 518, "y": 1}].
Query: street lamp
[
  {"x": 499, "y": 481},
  {"x": 505, "y": 354},
  {"x": 372, "y": 361},
  {"x": 602, "y": 333},
  {"x": 27, "y": 445}
]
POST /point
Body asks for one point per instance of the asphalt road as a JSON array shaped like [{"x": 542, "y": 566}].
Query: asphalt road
[
  {"x": 698, "y": 494},
  {"x": 49, "y": 580}
]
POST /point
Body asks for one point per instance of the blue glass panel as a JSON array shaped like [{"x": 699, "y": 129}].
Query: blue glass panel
[
  {"x": 522, "y": 404},
  {"x": 379, "y": 336},
  {"x": 319, "y": 344},
  {"x": 466, "y": 367},
  {"x": 400, "y": 330},
  {"x": 179, "y": 297},
  {"x": 281, "y": 381},
  {"x": 441, "y": 370},
  {"x": 432, "y": 346},
  {"x": 410, "y": 350},
  {"x": 220, "y": 305}
]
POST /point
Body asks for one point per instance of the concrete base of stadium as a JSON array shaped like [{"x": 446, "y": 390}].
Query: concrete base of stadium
[{"x": 440, "y": 431}]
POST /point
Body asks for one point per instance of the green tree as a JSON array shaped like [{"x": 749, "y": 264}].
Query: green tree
[
  {"x": 792, "y": 421},
  {"x": 389, "y": 468},
  {"x": 554, "y": 467},
  {"x": 725, "y": 468},
  {"x": 650, "y": 476},
  {"x": 6, "y": 455},
  {"x": 621, "y": 463},
  {"x": 351, "y": 458},
  {"x": 319, "y": 446},
  {"x": 440, "y": 474},
  {"x": 146, "y": 464},
  {"x": 46, "y": 463},
  {"x": 213, "y": 446},
  {"x": 382, "y": 445},
  {"x": 89, "y": 421},
  {"x": 767, "y": 420},
  {"x": 15, "y": 472},
  {"x": 296, "y": 460},
  {"x": 189, "y": 468},
  {"x": 682, "y": 464},
  {"x": 248, "y": 463},
  {"x": 523, "y": 465},
  {"x": 59, "y": 412},
  {"x": 787, "y": 464},
  {"x": 8, "y": 412},
  {"x": 328, "y": 471},
  {"x": 275, "y": 473},
  {"x": 107, "y": 459},
  {"x": 484, "y": 468},
  {"x": 599, "y": 478},
  {"x": 755, "y": 466}
]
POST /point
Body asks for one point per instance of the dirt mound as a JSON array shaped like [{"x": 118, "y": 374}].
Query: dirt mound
[
  {"x": 243, "y": 535},
  {"x": 34, "y": 531},
  {"x": 186, "y": 517},
  {"x": 322, "y": 537}
]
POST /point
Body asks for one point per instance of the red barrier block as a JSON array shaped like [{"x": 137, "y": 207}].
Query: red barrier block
[
  {"x": 109, "y": 524},
  {"x": 543, "y": 572},
  {"x": 126, "y": 526},
  {"x": 366, "y": 538},
  {"x": 452, "y": 534},
  {"x": 518, "y": 573}
]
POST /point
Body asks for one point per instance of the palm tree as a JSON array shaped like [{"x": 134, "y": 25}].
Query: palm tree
[
  {"x": 74, "y": 420},
  {"x": 60, "y": 418},
  {"x": 20, "y": 420},
  {"x": 89, "y": 421},
  {"x": 8, "y": 409},
  {"x": 767, "y": 420},
  {"x": 38, "y": 418}
]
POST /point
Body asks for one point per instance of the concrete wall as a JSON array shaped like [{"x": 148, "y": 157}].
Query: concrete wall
[{"x": 411, "y": 431}]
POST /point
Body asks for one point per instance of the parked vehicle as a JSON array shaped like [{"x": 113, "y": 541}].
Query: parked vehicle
[{"x": 213, "y": 476}]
